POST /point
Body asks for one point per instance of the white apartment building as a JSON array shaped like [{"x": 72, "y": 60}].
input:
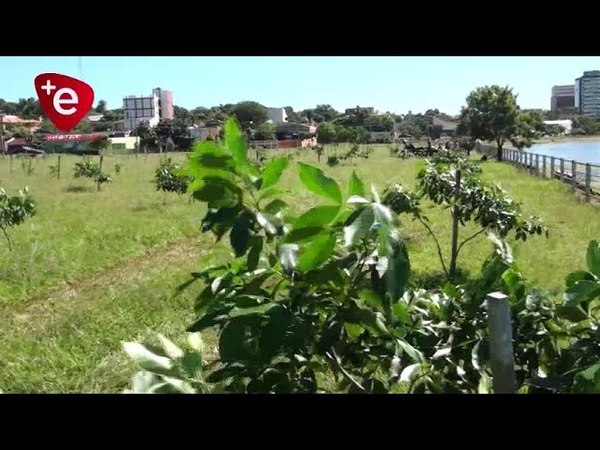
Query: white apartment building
[{"x": 149, "y": 109}]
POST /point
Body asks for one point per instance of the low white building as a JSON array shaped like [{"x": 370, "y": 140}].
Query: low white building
[
  {"x": 566, "y": 124},
  {"x": 124, "y": 143}
]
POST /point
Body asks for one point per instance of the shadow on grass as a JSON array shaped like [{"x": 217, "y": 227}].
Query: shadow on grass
[{"x": 73, "y": 188}]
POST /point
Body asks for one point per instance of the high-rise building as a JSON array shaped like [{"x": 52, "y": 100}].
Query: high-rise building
[
  {"x": 563, "y": 98},
  {"x": 149, "y": 109},
  {"x": 587, "y": 93}
]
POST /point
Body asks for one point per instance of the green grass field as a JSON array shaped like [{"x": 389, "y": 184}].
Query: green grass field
[{"x": 92, "y": 269}]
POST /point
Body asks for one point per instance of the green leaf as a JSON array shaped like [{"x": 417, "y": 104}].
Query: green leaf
[
  {"x": 235, "y": 141},
  {"x": 143, "y": 382},
  {"x": 412, "y": 352},
  {"x": 588, "y": 381},
  {"x": 353, "y": 330},
  {"x": 235, "y": 340},
  {"x": 240, "y": 234},
  {"x": 273, "y": 171},
  {"x": 148, "y": 360},
  {"x": 383, "y": 214},
  {"x": 581, "y": 291},
  {"x": 398, "y": 266},
  {"x": 180, "y": 386},
  {"x": 356, "y": 186},
  {"x": 572, "y": 313},
  {"x": 316, "y": 253},
  {"x": 485, "y": 384},
  {"x": 401, "y": 312},
  {"x": 317, "y": 217},
  {"x": 215, "y": 190},
  {"x": 359, "y": 228},
  {"x": 254, "y": 253},
  {"x": 268, "y": 222},
  {"x": 371, "y": 299},
  {"x": 269, "y": 193},
  {"x": 193, "y": 365},
  {"x": 410, "y": 373},
  {"x": 317, "y": 182},
  {"x": 593, "y": 258},
  {"x": 170, "y": 348},
  {"x": 288, "y": 256},
  {"x": 302, "y": 234},
  {"x": 195, "y": 342},
  {"x": 273, "y": 334},
  {"x": 357, "y": 199},
  {"x": 576, "y": 276},
  {"x": 275, "y": 206},
  {"x": 260, "y": 309}
]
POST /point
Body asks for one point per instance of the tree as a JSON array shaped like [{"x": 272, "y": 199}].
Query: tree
[
  {"x": 100, "y": 144},
  {"x": 554, "y": 129},
  {"x": 250, "y": 113},
  {"x": 101, "y": 107},
  {"x": 147, "y": 136},
  {"x": 492, "y": 114},
  {"x": 379, "y": 123},
  {"x": 529, "y": 126},
  {"x": 83, "y": 127},
  {"x": 265, "y": 131},
  {"x": 21, "y": 132},
  {"x": 183, "y": 115},
  {"x": 29, "y": 108},
  {"x": 326, "y": 133},
  {"x": 587, "y": 124},
  {"x": 14, "y": 211}
]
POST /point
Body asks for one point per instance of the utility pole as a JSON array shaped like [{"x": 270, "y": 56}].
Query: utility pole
[{"x": 2, "y": 150}]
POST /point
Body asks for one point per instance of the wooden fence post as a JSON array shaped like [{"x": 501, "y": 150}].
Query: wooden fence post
[
  {"x": 501, "y": 347},
  {"x": 101, "y": 160},
  {"x": 588, "y": 181},
  {"x": 574, "y": 174},
  {"x": 58, "y": 171},
  {"x": 455, "y": 221},
  {"x": 537, "y": 164},
  {"x": 552, "y": 167}
]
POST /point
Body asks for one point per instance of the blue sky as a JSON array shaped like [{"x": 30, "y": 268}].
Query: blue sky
[{"x": 396, "y": 84}]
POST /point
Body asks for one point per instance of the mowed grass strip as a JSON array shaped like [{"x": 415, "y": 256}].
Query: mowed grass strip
[
  {"x": 77, "y": 230},
  {"x": 71, "y": 340}
]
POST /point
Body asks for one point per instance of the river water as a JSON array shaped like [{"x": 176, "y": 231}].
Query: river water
[{"x": 583, "y": 152}]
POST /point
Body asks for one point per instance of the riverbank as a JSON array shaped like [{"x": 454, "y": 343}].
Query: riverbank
[{"x": 567, "y": 138}]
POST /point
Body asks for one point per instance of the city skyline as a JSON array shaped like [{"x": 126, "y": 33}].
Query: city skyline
[{"x": 395, "y": 84}]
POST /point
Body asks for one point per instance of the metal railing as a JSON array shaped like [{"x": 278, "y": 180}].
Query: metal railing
[{"x": 584, "y": 177}]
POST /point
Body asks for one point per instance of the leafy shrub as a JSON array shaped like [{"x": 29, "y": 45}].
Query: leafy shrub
[
  {"x": 14, "y": 211},
  {"x": 168, "y": 177},
  {"x": 87, "y": 168},
  {"x": 475, "y": 200},
  {"x": 333, "y": 160}
]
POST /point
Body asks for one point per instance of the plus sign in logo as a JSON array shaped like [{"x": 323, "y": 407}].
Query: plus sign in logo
[{"x": 64, "y": 99}]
